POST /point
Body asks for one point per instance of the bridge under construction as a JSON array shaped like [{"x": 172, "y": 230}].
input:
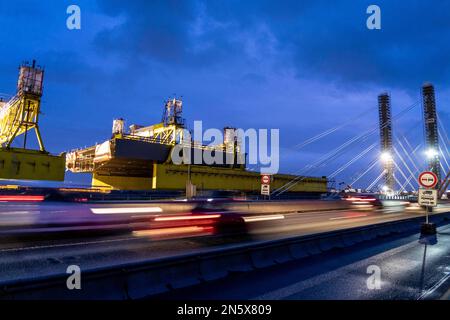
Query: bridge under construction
[
  {"x": 141, "y": 159},
  {"x": 18, "y": 116}
]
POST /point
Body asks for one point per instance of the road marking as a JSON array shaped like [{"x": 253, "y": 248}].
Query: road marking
[
  {"x": 349, "y": 217},
  {"x": 19, "y": 212},
  {"x": 66, "y": 245},
  {"x": 434, "y": 288}
]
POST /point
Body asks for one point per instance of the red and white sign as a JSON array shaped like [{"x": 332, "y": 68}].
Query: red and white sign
[
  {"x": 265, "y": 179},
  {"x": 428, "y": 179}
]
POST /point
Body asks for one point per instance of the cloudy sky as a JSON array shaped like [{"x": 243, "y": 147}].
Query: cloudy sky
[{"x": 301, "y": 66}]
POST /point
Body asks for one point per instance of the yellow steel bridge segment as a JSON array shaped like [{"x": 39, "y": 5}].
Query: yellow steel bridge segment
[{"x": 18, "y": 116}]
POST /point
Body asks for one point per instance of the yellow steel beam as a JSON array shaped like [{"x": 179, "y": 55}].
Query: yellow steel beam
[
  {"x": 18, "y": 116},
  {"x": 121, "y": 182},
  {"x": 24, "y": 164},
  {"x": 174, "y": 177},
  {"x": 170, "y": 176}
]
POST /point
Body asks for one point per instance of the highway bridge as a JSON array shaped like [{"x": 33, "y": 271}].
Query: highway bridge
[{"x": 182, "y": 249}]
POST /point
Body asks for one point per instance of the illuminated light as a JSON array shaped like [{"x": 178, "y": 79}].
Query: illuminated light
[
  {"x": 386, "y": 157},
  {"x": 210, "y": 199},
  {"x": 413, "y": 208},
  {"x": 21, "y": 198},
  {"x": 125, "y": 210},
  {"x": 9, "y": 187},
  {"x": 172, "y": 231},
  {"x": 90, "y": 190},
  {"x": 178, "y": 218},
  {"x": 431, "y": 153},
  {"x": 264, "y": 218},
  {"x": 350, "y": 217}
]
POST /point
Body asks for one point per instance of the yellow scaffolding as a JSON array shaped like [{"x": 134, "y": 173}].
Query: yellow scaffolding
[{"x": 18, "y": 116}]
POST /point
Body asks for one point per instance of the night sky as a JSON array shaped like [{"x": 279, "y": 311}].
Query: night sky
[{"x": 300, "y": 66}]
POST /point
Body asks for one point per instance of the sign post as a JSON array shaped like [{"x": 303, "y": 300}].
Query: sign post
[
  {"x": 428, "y": 198},
  {"x": 265, "y": 185}
]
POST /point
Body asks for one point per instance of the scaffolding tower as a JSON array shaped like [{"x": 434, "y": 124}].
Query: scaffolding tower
[
  {"x": 431, "y": 130},
  {"x": 385, "y": 119}
]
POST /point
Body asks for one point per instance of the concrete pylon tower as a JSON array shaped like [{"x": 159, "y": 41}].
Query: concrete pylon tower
[
  {"x": 431, "y": 129},
  {"x": 385, "y": 119}
]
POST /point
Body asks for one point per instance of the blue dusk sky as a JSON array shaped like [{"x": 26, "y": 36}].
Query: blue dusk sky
[{"x": 299, "y": 66}]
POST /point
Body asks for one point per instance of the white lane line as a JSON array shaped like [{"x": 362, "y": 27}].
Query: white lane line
[
  {"x": 66, "y": 245},
  {"x": 349, "y": 217},
  {"x": 264, "y": 218},
  {"x": 125, "y": 210},
  {"x": 19, "y": 212},
  {"x": 434, "y": 288}
]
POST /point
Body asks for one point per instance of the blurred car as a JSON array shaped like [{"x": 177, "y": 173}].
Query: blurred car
[{"x": 363, "y": 199}]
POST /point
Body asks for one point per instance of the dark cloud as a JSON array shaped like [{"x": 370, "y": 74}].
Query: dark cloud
[{"x": 315, "y": 38}]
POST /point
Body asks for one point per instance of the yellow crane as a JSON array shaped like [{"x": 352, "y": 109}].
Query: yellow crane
[{"x": 18, "y": 116}]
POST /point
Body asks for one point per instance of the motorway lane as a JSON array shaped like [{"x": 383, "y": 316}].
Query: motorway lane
[
  {"x": 410, "y": 268},
  {"x": 21, "y": 258}
]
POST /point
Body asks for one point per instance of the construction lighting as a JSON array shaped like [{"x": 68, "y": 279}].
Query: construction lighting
[
  {"x": 431, "y": 153},
  {"x": 386, "y": 157}
]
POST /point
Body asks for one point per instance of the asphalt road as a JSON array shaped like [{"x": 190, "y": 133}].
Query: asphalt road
[
  {"x": 409, "y": 268},
  {"x": 44, "y": 254}
]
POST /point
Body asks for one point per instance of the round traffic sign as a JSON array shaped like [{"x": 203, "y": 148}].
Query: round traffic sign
[
  {"x": 428, "y": 179},
  {"x": 265, "y": 179}
]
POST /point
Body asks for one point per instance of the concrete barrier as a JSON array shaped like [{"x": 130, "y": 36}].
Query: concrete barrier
[{"x": 266, "y": 257}]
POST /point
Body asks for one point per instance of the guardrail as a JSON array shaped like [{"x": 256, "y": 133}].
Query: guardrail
[{"x": 146, "y": 278}]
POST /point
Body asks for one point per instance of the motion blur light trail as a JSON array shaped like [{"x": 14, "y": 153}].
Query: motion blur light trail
[
  {"x": 192, "y": 217},
  {"x": 125, "y": 210},
  {"x": 175, "y": 232},
  {"x": 264, "y": 218},
  {"x": 21, "y": 198}
]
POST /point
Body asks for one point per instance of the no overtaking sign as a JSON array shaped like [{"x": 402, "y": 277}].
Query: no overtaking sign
[{"x": 428, "y": 179}]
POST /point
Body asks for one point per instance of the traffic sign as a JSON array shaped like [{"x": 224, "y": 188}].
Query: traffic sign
[
  {"x": 265, "y": 189},
  {"x": 428, "y": 197},
  {"x": 428, "y": 179},
  {"x": 265, "y": 179}
]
